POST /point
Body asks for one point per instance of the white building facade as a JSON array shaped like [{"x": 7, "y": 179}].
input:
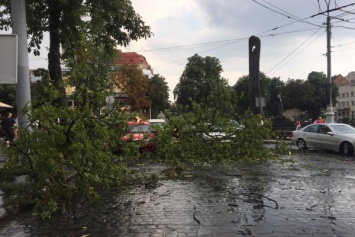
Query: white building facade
[{"x": 345, "y": 107}]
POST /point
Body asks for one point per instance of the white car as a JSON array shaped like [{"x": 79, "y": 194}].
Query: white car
[
  {"x": 219, "y": 133},
  {"x": 336, "y": 137},
  {"x": 155, "y": 122}
]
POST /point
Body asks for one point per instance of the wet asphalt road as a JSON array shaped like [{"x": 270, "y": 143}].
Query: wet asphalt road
[{"x": 305, "y": 194}]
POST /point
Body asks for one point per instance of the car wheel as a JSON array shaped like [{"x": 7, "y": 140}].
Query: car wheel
[
  {"x": 347, "y": 149},
  {"x": 301, "y": 144}
]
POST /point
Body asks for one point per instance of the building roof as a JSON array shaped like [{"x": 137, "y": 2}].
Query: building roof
[
  {"x": 351, "y": 76},
  {"x": 127, "y": 58},
  {"x": 340, "y": 80}
]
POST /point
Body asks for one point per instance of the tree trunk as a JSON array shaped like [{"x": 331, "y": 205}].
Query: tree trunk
[{"x": 54, "y": 51}]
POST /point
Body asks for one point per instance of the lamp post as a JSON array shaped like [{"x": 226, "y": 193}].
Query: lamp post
[{"x": 329, "y": 114}]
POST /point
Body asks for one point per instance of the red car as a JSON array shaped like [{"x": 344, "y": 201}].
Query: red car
[{"x": 140, "y": 133}]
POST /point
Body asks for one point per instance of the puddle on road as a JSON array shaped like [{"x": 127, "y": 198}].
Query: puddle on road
[{"x": 309, "y": 196}]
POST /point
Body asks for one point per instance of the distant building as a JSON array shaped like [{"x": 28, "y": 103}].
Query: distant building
[
  {"x": 123, "y": 58},
  {"x": 132, "y": 58},
  {"x": 345, "y": 108}
]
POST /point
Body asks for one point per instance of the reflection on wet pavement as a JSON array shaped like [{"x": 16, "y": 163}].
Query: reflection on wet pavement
[{"x": 307, "y": 194}]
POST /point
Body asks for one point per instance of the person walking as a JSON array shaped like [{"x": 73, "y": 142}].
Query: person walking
[
  {"x": 9, "y": 125},
  {"x": 298, "y": 124},
  {"x": 319, "y": 120}
]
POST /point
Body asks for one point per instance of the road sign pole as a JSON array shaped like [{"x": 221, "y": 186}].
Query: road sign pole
[{"x": 23, "y": 93}]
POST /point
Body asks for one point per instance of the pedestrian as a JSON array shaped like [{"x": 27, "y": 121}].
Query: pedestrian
[
  {"x": 298, "y": 124},
  {"x": 319, "y": 120},
  {"x": 15, "y": 127},
  {"x": 9, "y": 125}
]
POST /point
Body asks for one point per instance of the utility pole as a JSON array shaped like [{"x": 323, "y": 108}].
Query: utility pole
[
  {"x": 254, "y": 77},
  {"x": 329, "y": 114},
  {"x": 23, "y": 93}
]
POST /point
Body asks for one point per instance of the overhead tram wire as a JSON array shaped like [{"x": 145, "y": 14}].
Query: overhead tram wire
[
  {"x": 272, "y": 70},
  {"x": 331, "y": 10},
  {"x": 297, "y": 53},
  {"x": 230, "y": 40},
  {"x": 290, "y": 16},
  {"x": 229, "y": 43},
  {"x": 193, "y": 45}
]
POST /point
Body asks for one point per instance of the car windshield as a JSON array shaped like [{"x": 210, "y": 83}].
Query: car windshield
[
  {"x": 139, "y": 128},
  {"x": 343, "y": 129},
  {"x": 157, "y": 124}
]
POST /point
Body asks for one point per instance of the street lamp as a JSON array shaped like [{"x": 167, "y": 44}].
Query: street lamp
[
  {"x": 279, "y": 99},
  {"x": 329, "y": 114}
]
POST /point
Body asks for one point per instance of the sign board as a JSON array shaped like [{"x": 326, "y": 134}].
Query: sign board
[
  {"x": 110, "y": 99},
  {"x": 257, "y": 101},
  {"x": 8, "y": 59}
]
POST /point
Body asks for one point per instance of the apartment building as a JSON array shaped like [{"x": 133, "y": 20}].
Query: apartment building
[{"x": 345, "y": 108}]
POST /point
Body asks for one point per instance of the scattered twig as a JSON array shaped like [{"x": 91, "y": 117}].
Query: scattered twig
[
  {"x": 311, "y": 208},
  {"x": 260, "y": 196},
  {"x": 194, "y": 215}
]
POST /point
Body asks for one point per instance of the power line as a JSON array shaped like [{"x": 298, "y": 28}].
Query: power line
[
  {"x": 340, "y": 45},
  {"x": 229, "y": 43},
  {"x": 331, "y": 10},
  {"x": 286, "y": 15},
  {"x": 295, "y": 51},
  {"x": 263, "y": 34}
]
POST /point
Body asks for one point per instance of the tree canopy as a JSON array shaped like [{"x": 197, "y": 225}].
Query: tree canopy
[
  {"x": 107, "y": 23},
  {"x": 270, "y": 88},
  {"x": 158, "y": 92},
  {"x": 202, "y": 83},
  {"x": 131, "y": 80}
]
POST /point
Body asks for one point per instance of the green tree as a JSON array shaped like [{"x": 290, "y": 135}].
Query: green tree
[
  {"x": 196, "y": 82},
  {"x": 241, "y": 88},
  {"x": 131, "y": 80},
  {"x": 201, "y": 83},
  {"x": 82, "y": 144},
  {"x": 309, "y": 95},
  {"x": 107, "y": 23},
  {"x": 296, "y": 94},
  {"x": 269, "y": 89},
  {"x": 42, "y": 91},
  {"x": 158, "y": 92}
]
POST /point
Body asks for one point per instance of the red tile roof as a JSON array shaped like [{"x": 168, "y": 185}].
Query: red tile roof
[{"x": 132, "y": 58}]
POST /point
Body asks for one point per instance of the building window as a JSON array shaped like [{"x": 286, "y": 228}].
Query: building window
[
  {"x": 347, "y": 103},
  {"x": 71, "y": 103},
  {"x": 343, "y": 95},
  {"x": 352, "y": 102},
  {"x": 352, "y": 94}
]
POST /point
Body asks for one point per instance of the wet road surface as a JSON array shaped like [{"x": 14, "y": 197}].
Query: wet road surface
[{"x": 305, "y": 194}]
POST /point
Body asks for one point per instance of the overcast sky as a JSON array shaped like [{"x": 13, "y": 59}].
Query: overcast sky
[
  {"x": 292, "y": 33},
  {"x": 293, "y": 37}
]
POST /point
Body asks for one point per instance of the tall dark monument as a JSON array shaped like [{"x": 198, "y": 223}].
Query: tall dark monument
[{"x": 254, "y": 79}]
